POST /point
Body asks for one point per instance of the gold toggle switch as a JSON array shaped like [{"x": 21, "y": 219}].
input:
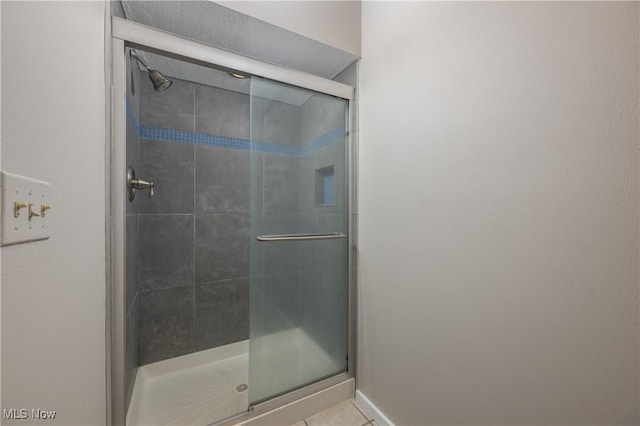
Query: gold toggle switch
[
  {"x": 17, "y": 206},
  {"x": 32, "y": 212},
  {"x": 44, "y": 208}
]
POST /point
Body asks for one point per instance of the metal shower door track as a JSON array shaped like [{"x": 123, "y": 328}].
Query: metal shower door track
[{"x": 202, "y": 54}]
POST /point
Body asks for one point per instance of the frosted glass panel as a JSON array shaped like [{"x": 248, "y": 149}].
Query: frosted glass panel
[{"x": 298, "y": 289}]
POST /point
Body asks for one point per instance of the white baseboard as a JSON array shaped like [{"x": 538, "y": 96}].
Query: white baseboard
[{"x": 370, "y": 408}]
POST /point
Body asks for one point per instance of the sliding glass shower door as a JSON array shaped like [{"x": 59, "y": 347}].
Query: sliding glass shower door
[{"x": 298, "y": 240}]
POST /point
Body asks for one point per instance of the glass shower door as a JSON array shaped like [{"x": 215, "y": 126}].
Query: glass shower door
[{"x": 298, "y": 240}]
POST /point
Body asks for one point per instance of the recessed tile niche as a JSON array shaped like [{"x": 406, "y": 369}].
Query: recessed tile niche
[{"x": 325, "y": 187}]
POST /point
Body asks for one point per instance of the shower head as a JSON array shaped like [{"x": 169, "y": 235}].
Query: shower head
[{"x": 159, "y": 80}]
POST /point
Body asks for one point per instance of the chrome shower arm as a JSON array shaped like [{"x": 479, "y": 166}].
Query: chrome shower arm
[
  {"x": 159, "y": 80},
  {"x": 134, "y": 55}
]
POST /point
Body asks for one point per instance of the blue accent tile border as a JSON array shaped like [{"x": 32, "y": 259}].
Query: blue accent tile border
[
  {"x": 322, "y": 141},
  {"x": 132, "y": 120},
  {"x": 186, "y": 137}
]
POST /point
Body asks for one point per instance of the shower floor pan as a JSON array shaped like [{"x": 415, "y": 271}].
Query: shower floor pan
[{"x": 207, "y": 386}]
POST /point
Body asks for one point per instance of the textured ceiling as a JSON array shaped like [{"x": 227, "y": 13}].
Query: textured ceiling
[{"x": 215, "y": 25}]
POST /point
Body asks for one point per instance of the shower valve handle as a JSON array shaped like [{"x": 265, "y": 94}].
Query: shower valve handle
[
  {"x": 143, "y": 184},
  {"x": 134, "y": 184}
]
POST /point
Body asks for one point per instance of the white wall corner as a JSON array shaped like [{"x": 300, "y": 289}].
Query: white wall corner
[{"x": 372, "y": 409}]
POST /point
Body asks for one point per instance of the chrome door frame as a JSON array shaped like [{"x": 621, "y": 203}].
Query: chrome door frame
[{"x": 127, "y": 34}]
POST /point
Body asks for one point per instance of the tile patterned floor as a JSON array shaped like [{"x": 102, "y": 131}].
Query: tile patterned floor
[{"x": 347, "y": 413}]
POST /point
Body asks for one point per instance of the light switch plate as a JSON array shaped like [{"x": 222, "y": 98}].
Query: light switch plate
[{"x": 22, "y": 229}]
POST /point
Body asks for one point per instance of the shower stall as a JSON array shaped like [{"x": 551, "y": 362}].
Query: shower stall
[{"x": 231, "y": 242}]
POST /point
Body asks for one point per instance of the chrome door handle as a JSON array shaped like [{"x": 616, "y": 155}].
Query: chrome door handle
[{"x": 301, "y": 237}]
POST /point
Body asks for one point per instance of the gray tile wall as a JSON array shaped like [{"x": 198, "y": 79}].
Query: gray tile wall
[
  {"x": 172, "y": 109},
  {"x": 275, "y": 122},
  {"x": 323, "y": 265},
  {"x": 194, "y": 234},
  {"x": 302, "y": 284},
  {"x": 275, "y": 210},
  {"x": 193, "y": 248}
]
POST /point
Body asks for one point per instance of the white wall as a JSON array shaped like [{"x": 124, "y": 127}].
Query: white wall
[
  {"x": 53, "y": 128},
  {"x": 499, "y": 212},
  {"x": 336, "y": 23}
]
